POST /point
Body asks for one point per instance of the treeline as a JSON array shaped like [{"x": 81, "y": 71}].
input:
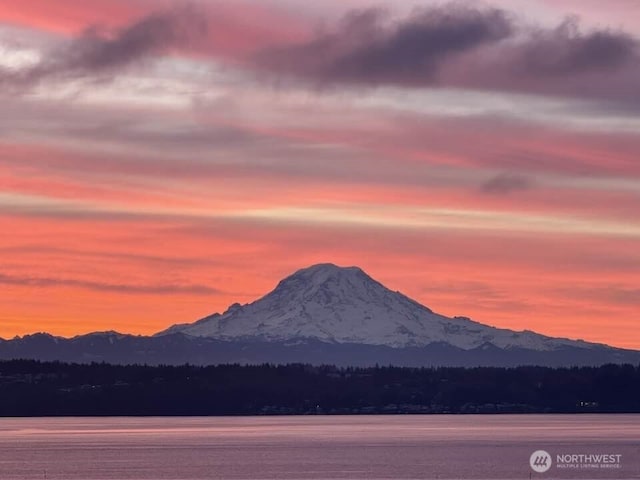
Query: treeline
[{"x": 32, "y": 388}]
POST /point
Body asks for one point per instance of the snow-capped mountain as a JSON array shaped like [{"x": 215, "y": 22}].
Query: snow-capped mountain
[
  {"x": 345, "y": 305},
  {"x": 324, "y": 314}
]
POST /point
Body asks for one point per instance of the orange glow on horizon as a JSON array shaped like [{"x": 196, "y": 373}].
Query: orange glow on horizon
[{"x": 62, "y": 277}]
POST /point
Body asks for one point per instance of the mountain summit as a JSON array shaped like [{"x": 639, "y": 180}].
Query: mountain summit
[{"x": 339, "y": 305}]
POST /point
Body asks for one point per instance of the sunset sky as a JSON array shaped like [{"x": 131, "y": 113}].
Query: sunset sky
[{"x": 160, "y": 160}]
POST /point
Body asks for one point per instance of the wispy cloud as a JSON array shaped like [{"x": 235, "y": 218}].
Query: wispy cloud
[
  {"x": 155, "y": 289},
  {"x": 101, "y": 52},
  {"x": 505, "y": 183}
]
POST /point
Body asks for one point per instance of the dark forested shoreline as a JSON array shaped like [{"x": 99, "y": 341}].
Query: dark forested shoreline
[{"x": 32, "y": 388}]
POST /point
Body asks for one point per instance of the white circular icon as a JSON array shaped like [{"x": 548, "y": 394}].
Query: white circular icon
[{"x": 540, "y": 461}]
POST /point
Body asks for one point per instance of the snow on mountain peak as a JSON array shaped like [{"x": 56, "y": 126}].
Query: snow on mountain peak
[
  {"x": 345, "y": 305},
  {"x": 324, "y": 276}
]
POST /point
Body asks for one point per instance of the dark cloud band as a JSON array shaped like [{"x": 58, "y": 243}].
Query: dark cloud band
[
  {"x": 451, "y": 45},
  {"x": 368, "y": 49},
  {"x": 463, "y": 46}
]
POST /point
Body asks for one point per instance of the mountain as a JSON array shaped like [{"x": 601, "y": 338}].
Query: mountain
[
  {"x": 324, "y": 314},
  {"x": 345, "y": 305}
]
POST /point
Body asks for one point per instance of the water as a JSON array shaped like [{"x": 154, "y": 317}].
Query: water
[{"x": 314, "y": 447}]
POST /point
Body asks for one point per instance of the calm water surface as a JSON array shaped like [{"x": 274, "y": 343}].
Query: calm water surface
[{"x": 315, "y": 447}]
